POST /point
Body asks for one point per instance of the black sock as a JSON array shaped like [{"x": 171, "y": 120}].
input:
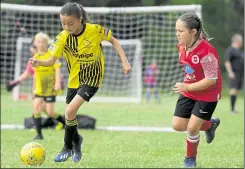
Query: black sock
[
  {"x": 60, "y": 119},
  {"x": 233, "y": 101},
  {"x": 70, "y": 129},
  {"x": 37, "y": 122},
  {"x": 76, "y": 136}
]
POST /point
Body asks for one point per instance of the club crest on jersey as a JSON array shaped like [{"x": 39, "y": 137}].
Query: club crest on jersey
[{"x": 195, "y": 59}]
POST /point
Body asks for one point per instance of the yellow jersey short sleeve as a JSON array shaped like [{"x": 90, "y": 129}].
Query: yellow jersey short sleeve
[
  {"x": 57, "y": 46},
  {"x": 104, "y": 33},
  {"x": 57, "y": 64}
]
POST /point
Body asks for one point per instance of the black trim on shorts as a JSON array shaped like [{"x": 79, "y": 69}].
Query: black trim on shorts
[
  {"x": 47, "y": 99},
  {"x": 185, "y": 107},
  {"x": 86, "y": 92}
]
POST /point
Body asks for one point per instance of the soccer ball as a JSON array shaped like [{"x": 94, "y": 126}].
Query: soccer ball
[{"x": 32, "y": 154}]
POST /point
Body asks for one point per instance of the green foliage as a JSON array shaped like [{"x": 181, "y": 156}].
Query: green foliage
[{"x": 221, "y": 20}]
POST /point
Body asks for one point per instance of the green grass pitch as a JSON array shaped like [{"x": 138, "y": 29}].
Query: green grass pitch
[{"x": 122, "y": 149}]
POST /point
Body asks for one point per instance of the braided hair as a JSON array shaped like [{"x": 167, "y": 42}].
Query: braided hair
[{"x": 192, "y": 21}]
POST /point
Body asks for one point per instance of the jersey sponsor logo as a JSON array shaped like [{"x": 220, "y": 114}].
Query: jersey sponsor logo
[
  {"x": 84, "y": 55},
  {"x": 188, "y": 69},
  {"x": 195, "y": 59},
  {"x": 189, "y": 73}
]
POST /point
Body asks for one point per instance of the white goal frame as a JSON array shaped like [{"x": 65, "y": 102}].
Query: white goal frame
[{"x": 102, "y": 10}]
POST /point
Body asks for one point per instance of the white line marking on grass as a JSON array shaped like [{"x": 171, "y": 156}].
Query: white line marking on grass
[
  {"x": 11, "y": 126},
  {"x": 107, "y": 128},
  {"x": 137, "y": 128}
]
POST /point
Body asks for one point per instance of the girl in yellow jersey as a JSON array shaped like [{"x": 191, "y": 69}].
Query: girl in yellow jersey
[
  {"x": 80, "y": 43},
  {"x": 46, "y": 84}
]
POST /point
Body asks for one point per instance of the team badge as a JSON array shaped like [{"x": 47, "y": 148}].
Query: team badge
[{"x": 195, "y": 59}]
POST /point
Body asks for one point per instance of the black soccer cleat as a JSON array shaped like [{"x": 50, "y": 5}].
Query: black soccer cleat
[
  {"x": 77, "y": 153},
  {"x": 63, "y": 155},
  {"x": 210, "y": 133},
  {"x": 38, "y": 137},
  {"x": 189, "y": 162}
]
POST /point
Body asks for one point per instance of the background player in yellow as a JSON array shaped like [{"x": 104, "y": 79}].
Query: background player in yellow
[
  {"x": 80, "y": 43},
  {"x": 29, "y": 71},
  {"x": 47, "y": 84}
]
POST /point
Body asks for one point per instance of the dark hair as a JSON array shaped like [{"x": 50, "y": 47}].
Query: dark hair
[
  {"x": 192, "y": 21},
  {"x": 75, "y": 9}
]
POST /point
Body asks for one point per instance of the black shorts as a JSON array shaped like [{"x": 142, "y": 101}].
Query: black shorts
[
  {"x": 48, "y": 99},
  {"x": 237, "y": 82},
  {"x": 86, "y": 92},
  {"x": 186, "y": 106}
]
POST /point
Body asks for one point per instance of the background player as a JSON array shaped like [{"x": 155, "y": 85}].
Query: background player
[
  {"x": 29, "y": 71},
  {"x": 151, "y": 73},
  {"x": 234, "y": 64},
  {"x": 47, "y": 84},
  {"x": 26, "y": 74},
  {"x": 201, "y": 90},
  {"x": 80, "y": 42}
]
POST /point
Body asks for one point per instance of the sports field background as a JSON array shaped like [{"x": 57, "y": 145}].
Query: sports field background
[{"x": 109, "y": 149}]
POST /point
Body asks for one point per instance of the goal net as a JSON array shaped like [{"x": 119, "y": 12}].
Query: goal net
[{"x": 147, "y": 35}]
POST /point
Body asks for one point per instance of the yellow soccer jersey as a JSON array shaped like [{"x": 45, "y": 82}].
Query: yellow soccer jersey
[
  {"x": 83, "y": 54},
  {"x": 45, "y": 76}
]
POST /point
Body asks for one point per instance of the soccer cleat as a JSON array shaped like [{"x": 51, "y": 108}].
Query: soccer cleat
[
  {"x": 77, "y": 153},
  {"x": 63, "y": 155},
  {"x": 210, "y": 133},
  {"x": 190, "y": 162},
  {"x": 38, "y": 137}
]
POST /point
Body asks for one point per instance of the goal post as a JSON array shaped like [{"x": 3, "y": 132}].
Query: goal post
[{"x": 147, "y": 34}]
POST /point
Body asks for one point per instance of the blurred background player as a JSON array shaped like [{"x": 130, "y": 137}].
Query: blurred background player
[
  {"x": 201, "y": 89},
  {"x": 29, "y": 71},
  {"x": 151, "y": 73},
  {"x": 26, "y": 74},
  {"x": 47, "y": 84},
  {"x": 234, "y": 64}
]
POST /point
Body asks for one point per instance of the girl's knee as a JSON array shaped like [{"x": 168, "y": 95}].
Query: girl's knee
[
  {"x": 192, "y": 130},
  {"x": 70, "y": 113},
  {"x": 178, "y": 127}
]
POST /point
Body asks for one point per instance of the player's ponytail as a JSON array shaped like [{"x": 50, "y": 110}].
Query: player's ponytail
[
  {"x": 84, "y": 15},
  {"x": 202, "y": 34},
  {"x": 76, "y": 10}
]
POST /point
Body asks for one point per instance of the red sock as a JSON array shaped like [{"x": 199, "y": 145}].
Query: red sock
[
  {"x": 191, "y": 145},
  {"x": 205, "y": 125}
]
